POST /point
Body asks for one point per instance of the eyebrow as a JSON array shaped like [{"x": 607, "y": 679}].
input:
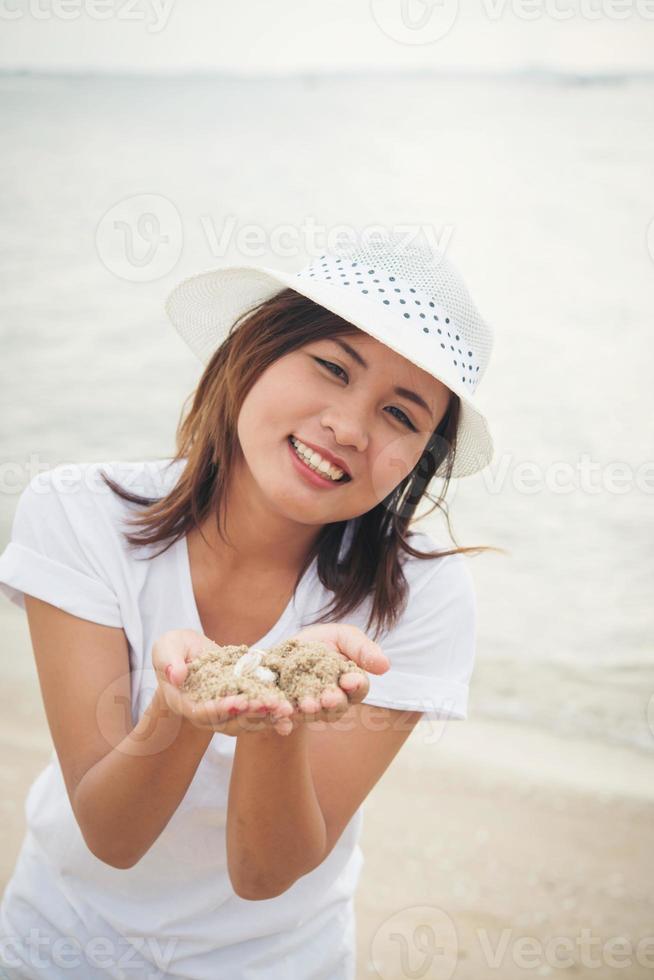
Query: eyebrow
[{"x": 407, "y": 393}]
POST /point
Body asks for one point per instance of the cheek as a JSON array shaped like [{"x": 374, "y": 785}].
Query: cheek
[
  {"x": 275, "y": 406},
  {"x": 391, "y": 464}
]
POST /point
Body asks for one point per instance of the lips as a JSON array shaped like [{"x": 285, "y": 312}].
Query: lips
[
  {"x": 315, "y": 475},
  {"x": 330, "y": 457}
]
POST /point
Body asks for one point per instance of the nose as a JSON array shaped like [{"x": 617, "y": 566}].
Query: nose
[{"x": 347, "y": 428}]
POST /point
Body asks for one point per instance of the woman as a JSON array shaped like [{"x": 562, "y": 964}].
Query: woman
[{"x": 222, "y": 840}]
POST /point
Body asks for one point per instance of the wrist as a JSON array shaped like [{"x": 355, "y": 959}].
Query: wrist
[
  {"x": 269, "y": 736},
  {"x": 179, "y": 726}
]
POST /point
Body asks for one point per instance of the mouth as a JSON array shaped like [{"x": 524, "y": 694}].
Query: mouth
[{"x": 326, "y": 478}]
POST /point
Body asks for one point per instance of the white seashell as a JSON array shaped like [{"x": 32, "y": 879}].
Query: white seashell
[
  {"x": 265, "y": 675},
  {"x": 247, "y": 663}
]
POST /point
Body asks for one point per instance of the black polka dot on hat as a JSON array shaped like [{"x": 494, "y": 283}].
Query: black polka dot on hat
[{"x": 407, "y": 315}]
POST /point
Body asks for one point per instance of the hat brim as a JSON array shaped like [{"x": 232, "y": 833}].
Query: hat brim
[{"x": 203, "y": 307}]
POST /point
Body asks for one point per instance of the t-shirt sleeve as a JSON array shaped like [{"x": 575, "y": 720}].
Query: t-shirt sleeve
[
  {"x": 49, "y": 556},
  {"x": 432, "y": 647}
]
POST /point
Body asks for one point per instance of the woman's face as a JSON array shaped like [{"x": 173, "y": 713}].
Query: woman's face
[{"x": 339, "y": 395}]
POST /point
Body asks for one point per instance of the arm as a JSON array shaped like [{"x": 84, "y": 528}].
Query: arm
[
  {"x": 127, "y": 798},
  {"x": 123, "y": 782},
  {"x": 275, "y": 827},
  {"x": 291, "y": 797}
]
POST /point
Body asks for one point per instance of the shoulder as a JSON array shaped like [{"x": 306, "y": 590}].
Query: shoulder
[
  {"x": 431, "y": 647},
  {"x": 446, "y": 579},
  {"x": 81, "y": 485},
  {"x": 72, "y": 501}
]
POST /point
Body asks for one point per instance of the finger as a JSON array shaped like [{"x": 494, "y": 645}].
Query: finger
[
  {"x": 351, "y": 681},
  {"x": 176, "y": 673},
  {"x": 355, "y": 645},
  {"x": 284, "y": 726},
  {"x": 308, "y": 705},
  {"x": 217, "y": 710},
  {"x": 282, "y": 709},
  {"x": 333, "y": 698}
]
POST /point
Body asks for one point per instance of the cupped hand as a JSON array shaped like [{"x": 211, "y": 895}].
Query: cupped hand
[
  {"x": 232, "y": 715},
  {"x": 353, "y": 644}
]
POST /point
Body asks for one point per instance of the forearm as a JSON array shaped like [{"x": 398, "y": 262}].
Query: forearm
[
  {"x": 123, "y": 803},
  {"x": 275, "y": 827}
]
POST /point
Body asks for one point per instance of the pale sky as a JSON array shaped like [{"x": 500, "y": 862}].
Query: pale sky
[{"x": 288, "y": 36}]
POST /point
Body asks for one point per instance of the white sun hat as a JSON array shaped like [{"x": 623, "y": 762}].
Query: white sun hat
[{"x": 410, "y": 298}]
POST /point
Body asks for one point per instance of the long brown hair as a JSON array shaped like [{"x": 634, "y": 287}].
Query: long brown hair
[{"x": 207, "y": 439}]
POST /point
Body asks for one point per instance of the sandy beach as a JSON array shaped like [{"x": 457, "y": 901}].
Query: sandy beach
[{"x": 521, "y": 853}]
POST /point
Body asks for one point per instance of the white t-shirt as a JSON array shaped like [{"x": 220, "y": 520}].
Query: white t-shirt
[{"x": 175, "y": 914}]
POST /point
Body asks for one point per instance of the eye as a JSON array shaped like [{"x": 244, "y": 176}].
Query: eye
[
  {"x": 405, "y": 420},
  {"x": 329, "y": 365}
]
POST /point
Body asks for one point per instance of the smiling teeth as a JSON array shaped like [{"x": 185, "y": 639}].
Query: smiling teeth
[{"x": 315, "y": 461}]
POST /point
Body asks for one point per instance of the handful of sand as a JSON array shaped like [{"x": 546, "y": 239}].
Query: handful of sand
[{"x": 293, "y": 669}]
